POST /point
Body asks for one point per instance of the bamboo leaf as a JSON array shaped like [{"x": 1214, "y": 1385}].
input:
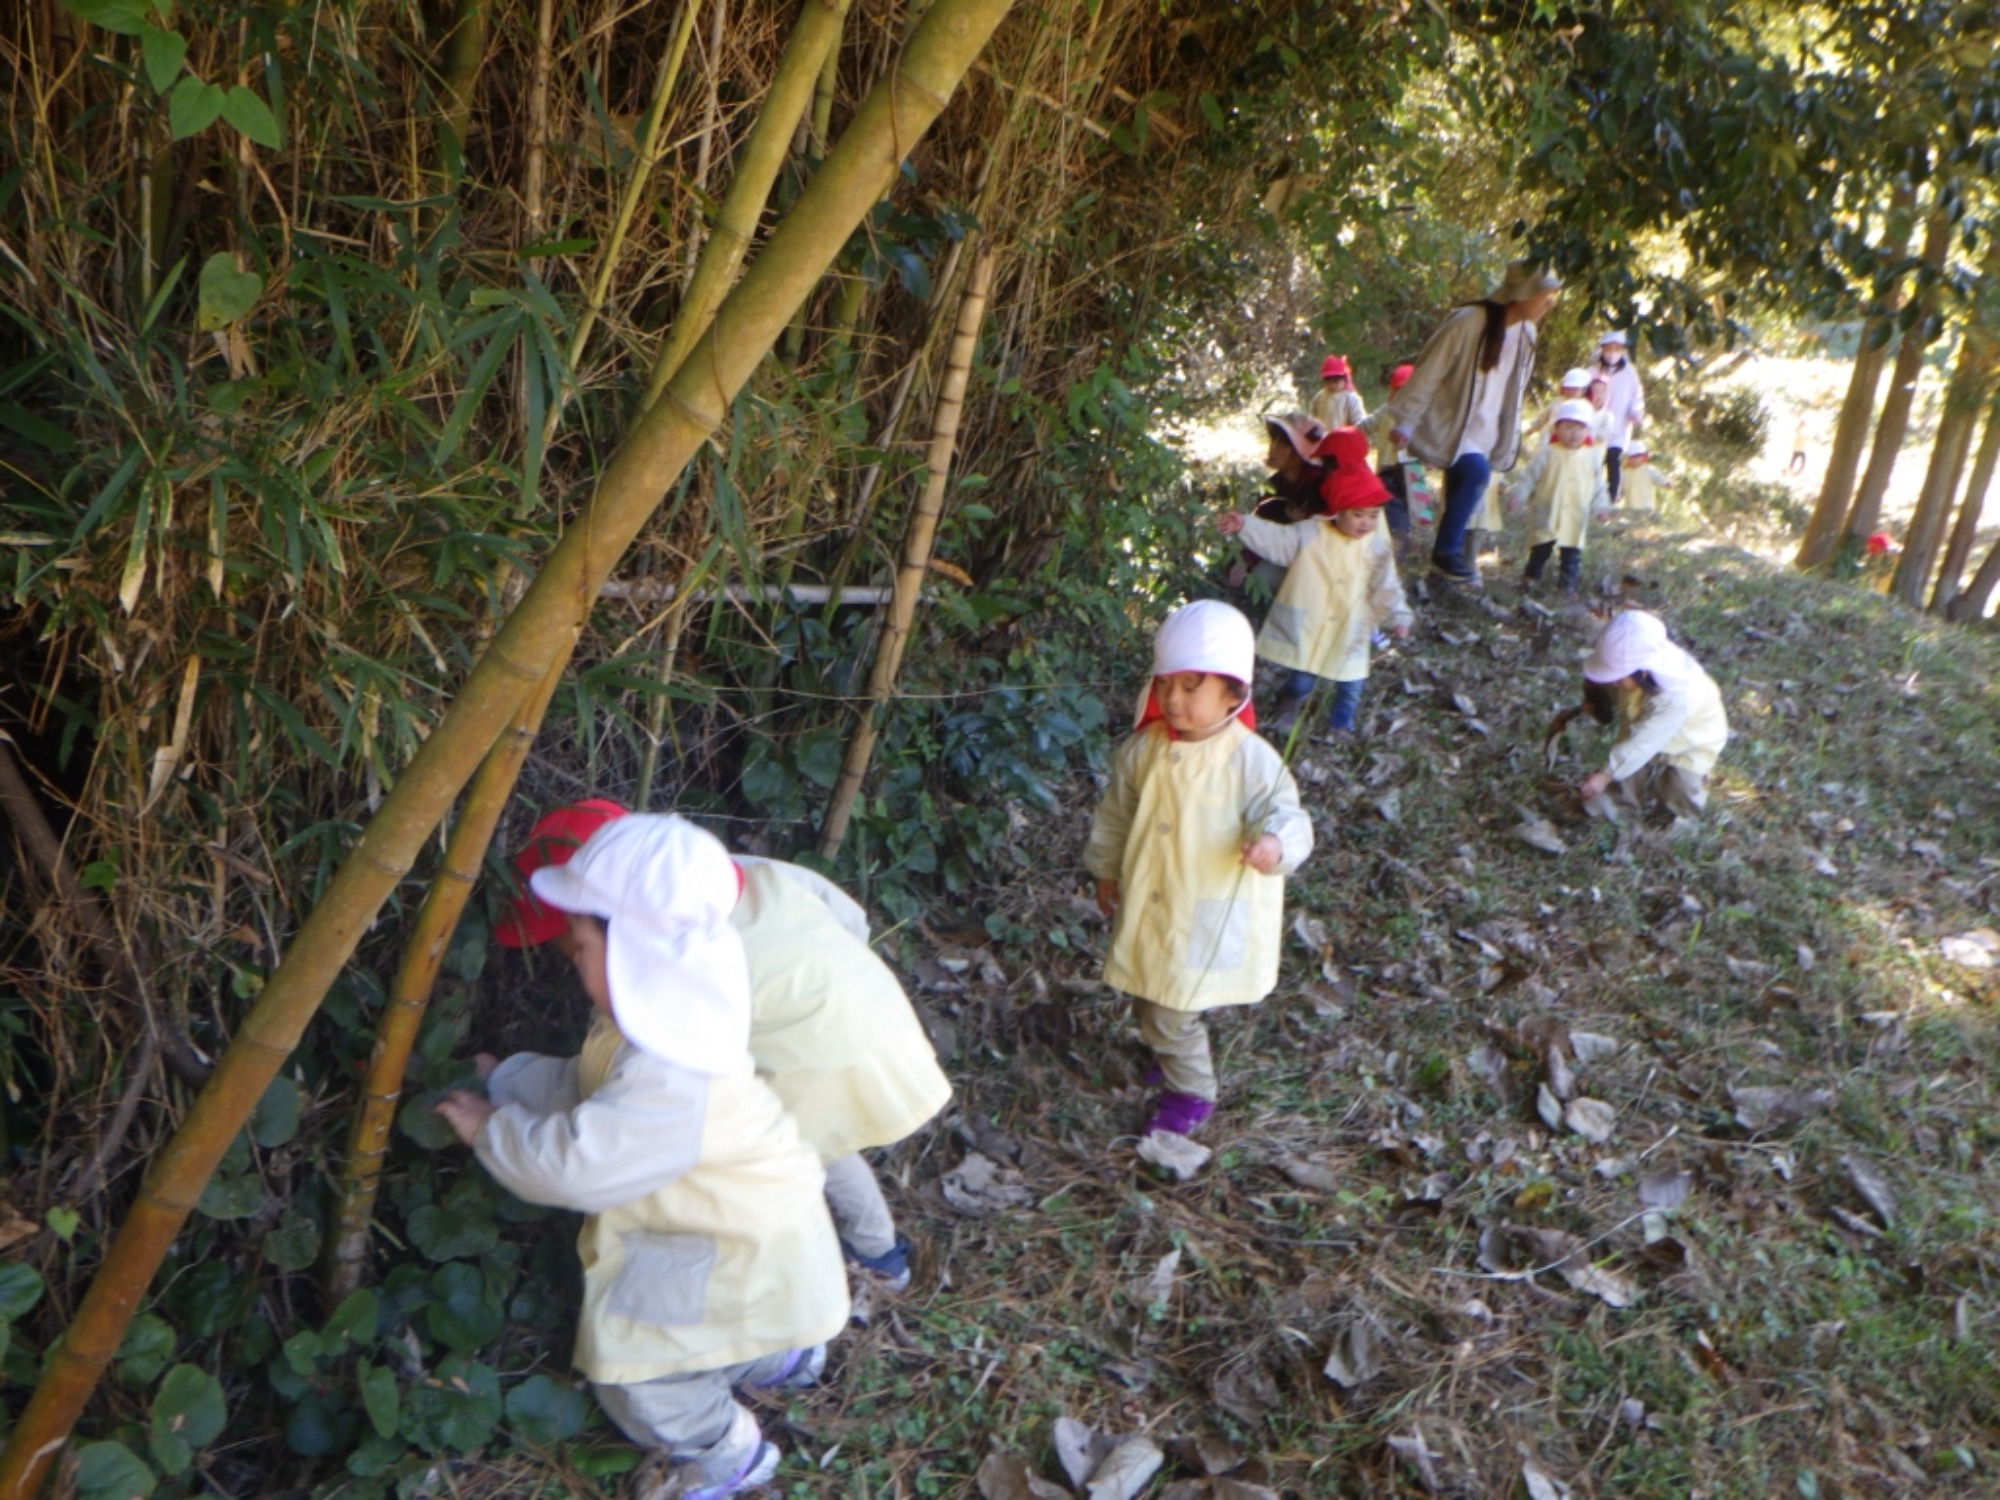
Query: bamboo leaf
[
  {"x": 107, "y": 497},
  {"x": 134, "y": 577},
  {"x": 252, "y": 116},
  {"x": 124, "y": 17},
  {"x": 192, "y": 107},
  {"x": 164, "y": 52},
  {"x": 477, "y": 382}
]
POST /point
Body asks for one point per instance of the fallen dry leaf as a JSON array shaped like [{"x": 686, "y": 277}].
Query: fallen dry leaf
[
  {"x": 1174, "y": 1153},
  {"x": 1353, "y": 1360},
  {"x": 1311, "y": 932},
  {"x": 1080, "y": 1448},
  {"x": 1548, "y": 1106},
  {"x": 1209, "y": 1453},
  {"x": 1159, "y": 1286},
  {"x": 1247, "y": 1391},
  {"x": 1665, "y": 1191},
  {"x": 1873, "y": 1188},
  {"x": 979, "y": 1185},
  {"x": 1977, "y": 949},
  {"x": 1592, "y": 1119},
  {"x": 1317, "y": 1176},
  {"x": 1760, "y": 1109},
  {"x": 1007, "y": 1476},
  {"x": 1589, "y": 1047},
  {"x": 1126, "y": 1470},
  {"x": 1537, "y": 832},
  {"x": 1541, "y": 1485},
  {"x": 1414, "y": 1451}
]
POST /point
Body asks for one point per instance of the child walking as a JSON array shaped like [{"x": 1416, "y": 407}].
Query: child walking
[
  {"x": 1562, "y": 486},
  {"x": 1189, "y": 848},
  {"x": 709, "y": 1263},
  {"x": 831, "y": 1030},
  {"x": 1642, "y": 482},
  {"x": 1336, "y": 403},
  {"x": 1340, "y": 584},
  {"x": 1671, "y": 722}
]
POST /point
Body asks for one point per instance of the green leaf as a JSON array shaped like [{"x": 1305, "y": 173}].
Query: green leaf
[
  {"x": 192, "y": 107},
  {"x": 418, "y": 1120},
  {"x": 457, "y": 1408},
  {"x": 231, "y": 1195},
  {"x": 145, "y": 1350},
  {"x": 43, "y": 434},
  {"x": 444, "y": 1235},
  {"x": 188, "y": 1412},
  {"x": 164, "y": 52},
  {"x": 99, "y": 875},
  {"x": 354, "y": 1321},
  {"x": 294, "y": 1244},
  {"x": 111, "y": 1471},
  {"x": 20, "y": 1290},
  {"x": 380, "y": 1397},
  {"x": 226, "y": 293},
  {"x": 320, "y": 1426},
  {"x": 63, "y": 1222},
  {"x": 124, "y": 17},
  {"x": 462, "y": 1317},
  {"x": 1211, "y": 111},
  {"x": 275, "y": 1120},
  {"x": 546, "y": 1411},
  {"x": 253, "y": 117}
]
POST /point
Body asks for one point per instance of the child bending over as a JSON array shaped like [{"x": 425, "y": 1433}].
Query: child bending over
[
  {"x": 1341, "y": 582},
  {"x": 1189, "y": 848},
  {"x": 1671, "y": 722},
  {"x": 709, "y": 1263},
  {"x": 830, "y": 1028},
  {"x": 1563, "y": 485}
]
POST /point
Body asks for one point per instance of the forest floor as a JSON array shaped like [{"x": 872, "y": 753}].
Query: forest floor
[{"x": 1774, "y": 1274}]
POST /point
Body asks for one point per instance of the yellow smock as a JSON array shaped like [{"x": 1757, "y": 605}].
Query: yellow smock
[
  {"x": 1562, "y": 486},
  {"x": 1636, "y": 490},
  {"x": 1196, "y": 928},
  {"x": 830, "y": 1028},
  {"x": 1685, "y": 721},
  {"x": 706, "y": 1242},
  {"x": 1337, "y": 590}
]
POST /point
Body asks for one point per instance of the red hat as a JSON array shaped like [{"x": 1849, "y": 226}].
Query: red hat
[
  {"x": 1351, "y": 482},
  {"x": 551, "y": 841},
  {"x": 1880, "y": 543},
  {"x": 1334, "y": 364},
  {"x": 1400, "y": 376}
]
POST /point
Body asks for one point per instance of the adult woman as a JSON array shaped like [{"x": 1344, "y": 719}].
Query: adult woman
[
  {"x": 1461, "y": 411},
  {"x": 1624, "y": 403}
]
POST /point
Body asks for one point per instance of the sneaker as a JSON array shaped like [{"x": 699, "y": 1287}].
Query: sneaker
[
  {"x": 1179, "y": 1114},
  {"x": 890, "y": 1269},
  {"x": 754, "y": 1475},
  {"x": 799, "y": 1368}
]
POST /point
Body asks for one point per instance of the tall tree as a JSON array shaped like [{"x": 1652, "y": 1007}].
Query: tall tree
[{"x": 1951, "y": 573}]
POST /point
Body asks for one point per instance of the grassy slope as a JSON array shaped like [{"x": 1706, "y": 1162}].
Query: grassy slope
[{"x": 1774, "y": 1348}]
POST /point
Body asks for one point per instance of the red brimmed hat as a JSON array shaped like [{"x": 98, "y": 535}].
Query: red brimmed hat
[
  {"x": 1335, "y": 364},
  {"x": 1400, "y": 376},
  {"x": 551, "y": 841},
  {"x": 1351, "y": 482}
]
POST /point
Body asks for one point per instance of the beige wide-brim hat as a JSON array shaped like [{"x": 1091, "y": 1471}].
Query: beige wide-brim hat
[{"x": 1525, "y": 279}]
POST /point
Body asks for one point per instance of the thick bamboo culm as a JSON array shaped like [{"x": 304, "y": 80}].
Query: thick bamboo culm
[
  {"x": 410, "y": 994},
  {"x": 856, "y": 174},
  {"x": 916, "y": 558}
]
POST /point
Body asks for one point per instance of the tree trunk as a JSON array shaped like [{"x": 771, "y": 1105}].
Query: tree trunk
[
  {"x": 1957, "y": 424},
  {"x": 1866, "y": 513},
  {"x": 890, "y": 122},
  {"x": 1971, "y": 605},
  {"x": 916, "y": 558},
  {"x": 1971, "y": 508}
]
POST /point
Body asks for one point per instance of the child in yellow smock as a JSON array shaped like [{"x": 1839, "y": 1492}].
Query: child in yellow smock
[
  {"x": 1340, "y": 584},
  {"x": 1563, "y": 485},
  {"x": 1639, "y": 489},
  {"x": 709, "y": 1262},
  {"x": 830, "y": 1028},
  {"x": 1671, "y": 722},
  {"x": 1189, "y": 847}
]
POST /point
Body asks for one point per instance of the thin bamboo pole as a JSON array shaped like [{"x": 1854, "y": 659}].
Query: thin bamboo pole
[
  {"x": 890, "y": 122},
  {"x": 1964, "y": 399},
  {"x": 534, "y": 173},
  {"x": 410, "y": 995},
  {"x": 1952, "y": 572},
  {"x": 763, "y": 156},
  {"x": 1971, "y": 605},
  {"x": 465, "y": 50},
  {"x": 916, "y": 558}
]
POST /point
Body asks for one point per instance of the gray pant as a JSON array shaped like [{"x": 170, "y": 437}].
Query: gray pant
[
  {"x": 860, "y": 1212},
  {"x": 694, "y": 1419},
  {"x": 1180, "y": 1041},
  {"x": 1681, "y": 793}
]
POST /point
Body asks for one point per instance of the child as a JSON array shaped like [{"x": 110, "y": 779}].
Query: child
[
  {"x": 1341, "y": 582},
  {"x": 1337, "y": 403},
  {"x": 1575, "y": 386},
  {"x": 831, "y": 1030},
  {"x": 1624, "y": 404},
  {"x": 1401, "y": 475},
  {"x": 1642, "y": 482},
  {"x": 709, "y": 1263},
  {"x": 1189, "y": 846},
  {"x": 1561, "y": 486},
  {"x": 1671, "y": 722},
  {"x": 1296, "y": 472}
]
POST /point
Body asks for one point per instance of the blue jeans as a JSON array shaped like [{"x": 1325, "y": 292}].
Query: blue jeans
[
  {"x": 1346, "y": 697},
  {"x": 1464, "y": 489}
]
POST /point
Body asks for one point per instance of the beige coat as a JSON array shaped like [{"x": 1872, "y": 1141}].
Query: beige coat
[
  {"x": 1437, "y": 400},
  {"x": 1685, "y": 722},
  {"x": 830, "y": 1028},
  {"x": 1561, "y": 488},
  {"x": 706, "y": 1241},
  {"x": 1196, "y": 928},
  {"x": 1337, "y": 590}
]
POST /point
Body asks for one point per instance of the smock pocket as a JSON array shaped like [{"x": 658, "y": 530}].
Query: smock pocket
[
  {"x": 1220, "y": 936},
  {"x": 664, "y": 1280},
  {"x": 1285, "y": 625}
]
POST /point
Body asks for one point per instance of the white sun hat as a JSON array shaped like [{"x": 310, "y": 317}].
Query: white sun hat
[
  {"x": 1576, "y": 411},
  {"x": 1205, "y": 636},
  {"x": 1576, "y": 380},
  {"x": 1634, "y": 641},
  {"x": 1613, "y": 337},
  {"x": 679, "y": 980}
]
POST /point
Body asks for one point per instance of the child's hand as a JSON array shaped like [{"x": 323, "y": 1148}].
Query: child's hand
[
  {"x": 483, "y": 1063},
  {"x": 1107, "y": 896},
  {"x": 465, "y": 1113},
  {"x": 1400, "y": 436},
  {"x": 1228, "y": 523},
  {"x": 1264, "y": 853},
  {"x": 1593, "y": 786}
]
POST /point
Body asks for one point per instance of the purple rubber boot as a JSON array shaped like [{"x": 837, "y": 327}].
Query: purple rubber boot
[{"x": 1179, "y": 1114}]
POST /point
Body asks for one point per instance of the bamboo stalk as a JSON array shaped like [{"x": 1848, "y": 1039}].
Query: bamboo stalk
[
  {"x": 763, "y": 156},
  {"x": 534, "y": 172},
  {"x": 410, "y": 995},
  {"x": 916, "y": 557},
  {"x": 890, "y": 122},
  {"x": 1964, "y": 398},
  {"x": 1952, "y": 572},
  {"x": 465, "y": 50},
  {"x": 1971, "y": 605}
]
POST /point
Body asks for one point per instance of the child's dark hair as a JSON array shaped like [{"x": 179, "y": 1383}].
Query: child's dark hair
[
  {"x": 1646, "y": 682},
  {"x": 1600, "y": 700},
  {"x": 1238, "y": 689}
]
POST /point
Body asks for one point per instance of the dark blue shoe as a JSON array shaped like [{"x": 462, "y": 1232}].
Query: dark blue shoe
[{"x": 891, "y": 1269}]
